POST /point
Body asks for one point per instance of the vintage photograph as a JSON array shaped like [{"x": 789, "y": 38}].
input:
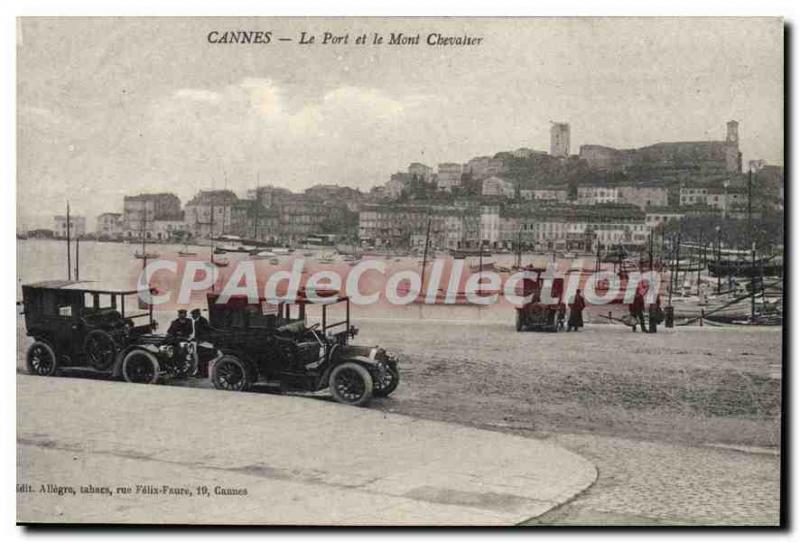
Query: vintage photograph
[{"x": 449, "y": 271}]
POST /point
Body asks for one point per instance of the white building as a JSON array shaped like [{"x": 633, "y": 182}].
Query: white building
[
  {"x": 109, "y": 225},
  {"x": 592, "y": 195},
  {"x": 545, "y": 194},
  {"x": 449, "y": 176},
  {"x": 77, "y": 226},
  {"x": 497, "y": 186}
]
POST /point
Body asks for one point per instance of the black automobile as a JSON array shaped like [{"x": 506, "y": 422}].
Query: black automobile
[
  {"x": 74, "y": 325},
  {"x": 266, "y": 342},
  {"x": 152, "y": 358}
]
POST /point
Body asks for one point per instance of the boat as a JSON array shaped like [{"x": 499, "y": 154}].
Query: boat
[
  {"x": 221, "y": 263},
  {"x": 146, "y": 255},
  {"x": 282, "y": 251},
  {"x": 263, "y": 255},
  {"x": 186, "y": 253},
  {"x": 461, "y": 253}
]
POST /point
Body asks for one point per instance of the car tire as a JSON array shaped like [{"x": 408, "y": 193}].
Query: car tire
[
  {"x": 384, "y": 391},
  {"x": 100, "y": 349},
  {"x": 231, "y": 374},
  {"x": 351, "y": 384},
  {"x": 41, "y": 360},
  {"x": 140, "y": 367}
]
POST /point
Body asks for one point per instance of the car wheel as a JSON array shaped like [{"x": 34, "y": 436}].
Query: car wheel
[
  {"x": 140, "y": 367},
  {"x": 389, "y": 384},
  {"x": 41, "y": 359},
  {"x": 230, "y": 373},
  {"x": 350, "y": 383},
  {"x": 100, "y": 349}
]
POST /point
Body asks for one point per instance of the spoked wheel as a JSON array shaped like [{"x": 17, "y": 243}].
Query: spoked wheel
[
  {"x": 389, "y": 382},
  {"x": 41, "y": 359},
  {"x": 140, "y": 367},
  {"x": 230, "y": 373},
  {"x": 350, "y": 383},
  {"x": 100, "y": 349}
]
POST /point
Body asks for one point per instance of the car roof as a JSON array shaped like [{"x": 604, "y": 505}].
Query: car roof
[
  {"x": 326, "y": 297},
  {"x": 89, "y": 286}
]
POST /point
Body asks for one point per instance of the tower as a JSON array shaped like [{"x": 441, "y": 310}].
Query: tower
[
  {"x": 559, "y": 139},
  {"x": 733, "y": 158},
  {"x": 732, "y": 138}
]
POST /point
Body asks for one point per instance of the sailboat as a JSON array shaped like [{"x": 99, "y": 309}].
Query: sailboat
[
  {"x": 215, "y": 261},
  {"x": 144, "y": 255}
]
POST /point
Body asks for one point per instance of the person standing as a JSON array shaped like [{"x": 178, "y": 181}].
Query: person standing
[
  {"x": 637, "y": 310},
  {"x": 576, "y": 312}
]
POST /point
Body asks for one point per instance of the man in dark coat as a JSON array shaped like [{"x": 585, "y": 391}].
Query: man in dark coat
[
  {"x": 637, "y": 310},
  {"x": 200, "y": 324},
  {"x": 181, "y": 327},
  {"x": 576, "y": 312}
]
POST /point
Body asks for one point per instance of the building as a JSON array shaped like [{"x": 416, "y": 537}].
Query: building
[
  {"x": 406, "y": 225},
  {"x": 109, "y": 225},
  {"x": 687, "y": 157},
  {"x": 171, "y": 230},
  {"x": 252, "y": 220},
  {"x": 449, "y": 176},
  {"x": 642, "y": 196},
  {"x": 693, "y": 195},
  {"x": 550, "y": 194},
  {"x": 420, "y": 171},
  {"x": 658, "y": 216},
  {"x": 209, "y": 213},
  {"x": 728, "y": 199},
  {"x": 140, "y": 213},
  {"x": 301, "y": 216},
  {"x": 559, "y": 139},
  {"x": 497, "y": 186},
  {"x": 396, "y": 184},
  {"x": 77, "y": 226},
  {"x": 569, "y": 227},
  {"x": 593, "y": 194},
  {"x": 269, "y": 195}
]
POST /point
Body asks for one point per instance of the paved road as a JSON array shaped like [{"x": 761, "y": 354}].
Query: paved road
[
  {"x": 300, "y": 461},
  {"x": 644, "y": 409}
]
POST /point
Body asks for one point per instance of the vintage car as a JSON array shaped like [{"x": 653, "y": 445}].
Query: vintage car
[
  {"x": 265, "y": 342},
  {"x": 152, "y": 358},
  {"x": 74, "y": 325},
  {"x": 535, "y": 314}
]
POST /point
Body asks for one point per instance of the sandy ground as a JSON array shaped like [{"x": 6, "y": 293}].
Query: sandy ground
[{"x": 671, "y": 420}]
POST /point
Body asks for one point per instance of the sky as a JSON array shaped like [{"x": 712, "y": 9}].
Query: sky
[{"x": 115, "y": 106}]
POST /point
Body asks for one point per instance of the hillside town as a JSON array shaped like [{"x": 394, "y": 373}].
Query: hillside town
[{"x": 521, "y": 199}]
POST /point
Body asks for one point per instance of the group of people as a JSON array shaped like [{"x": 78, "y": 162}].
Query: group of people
[
  {"x": 655, "y": 315},
  {"x": 196, "y": 327}
]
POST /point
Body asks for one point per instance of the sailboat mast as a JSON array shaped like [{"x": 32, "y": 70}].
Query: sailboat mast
[{"x": 69, "y": 248}]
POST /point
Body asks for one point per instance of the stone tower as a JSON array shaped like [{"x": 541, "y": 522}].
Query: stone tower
[
  {"x": 732, "y": 137},
  {"x": 559, "y": 139},
  {"x": 733, "y": 158}
]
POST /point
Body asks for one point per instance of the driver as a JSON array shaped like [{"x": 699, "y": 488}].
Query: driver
[{"x": 181, "y": 327}]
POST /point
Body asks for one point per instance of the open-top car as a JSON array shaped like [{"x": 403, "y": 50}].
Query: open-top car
[
  {"x": 74, "y": 325},
  {"x": 268, "y": 341}
]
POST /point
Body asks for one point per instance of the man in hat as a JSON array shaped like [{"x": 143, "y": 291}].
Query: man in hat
[
  {"x": 200, "y": 324},
  {"x": 181, "y": 327}
]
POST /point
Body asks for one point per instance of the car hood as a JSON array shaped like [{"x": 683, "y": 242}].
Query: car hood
[{"x": 370, "y": 352}]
